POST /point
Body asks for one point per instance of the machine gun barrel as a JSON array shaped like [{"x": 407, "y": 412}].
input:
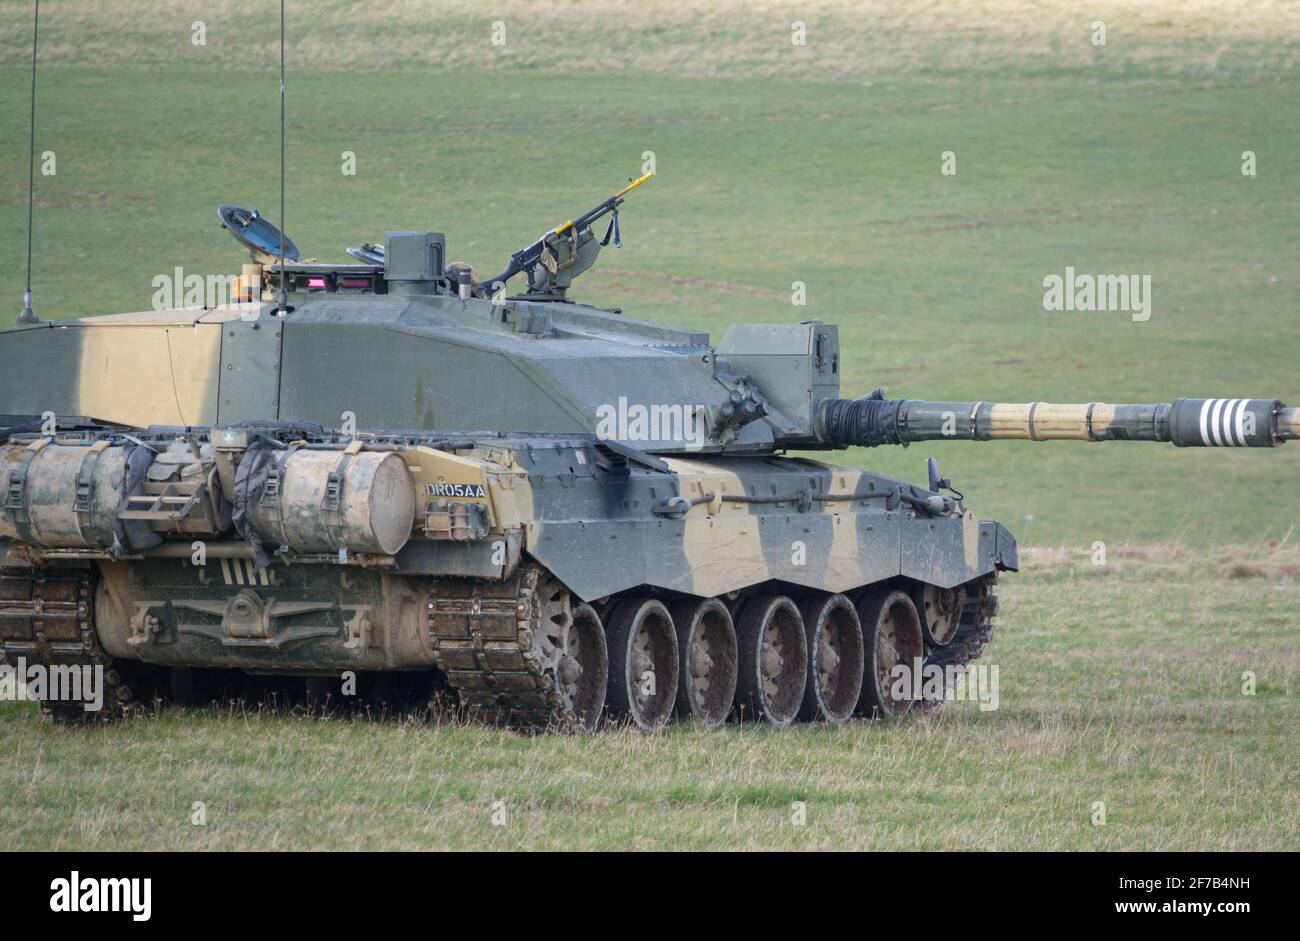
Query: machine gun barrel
[
  {"x": 874, "y": 420},
  {"x": 525, "y": 258}
]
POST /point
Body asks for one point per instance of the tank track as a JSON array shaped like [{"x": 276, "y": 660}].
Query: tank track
[
  {"x": 974, "y": 633},
  {"x": 484, "y": 636},
  {"x": 485, "y": 633},
  {"x": 47, "y": 618}
]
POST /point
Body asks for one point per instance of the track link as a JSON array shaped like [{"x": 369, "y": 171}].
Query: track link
[
  {"x": 486, "y": 637},
  {"x": 974, "y": 633},
  {"x": 47, "y": 618}
]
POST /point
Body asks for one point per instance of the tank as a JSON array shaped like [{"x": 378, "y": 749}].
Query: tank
[{"x": 397, "y": 478}]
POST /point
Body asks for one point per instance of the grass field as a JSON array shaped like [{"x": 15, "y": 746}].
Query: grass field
[
  {"x": 1116, "y": 684},
  {"x": 776, "y": 163}
]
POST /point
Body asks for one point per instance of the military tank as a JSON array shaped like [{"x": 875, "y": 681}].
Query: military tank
[{"x": 396, "y": 473}]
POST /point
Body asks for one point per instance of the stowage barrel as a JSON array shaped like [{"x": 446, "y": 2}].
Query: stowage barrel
[
  {"x": 327, "y": 500},
  {"x": 61, "y": 497}
]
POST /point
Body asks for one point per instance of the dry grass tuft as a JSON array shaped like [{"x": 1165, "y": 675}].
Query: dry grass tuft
[
  {"x": 1272, "y": 561},
  {"x": 1198, "y": 38}
]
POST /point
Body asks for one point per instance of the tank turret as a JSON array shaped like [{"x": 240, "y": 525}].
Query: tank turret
[{"x": 405, "y": 340}]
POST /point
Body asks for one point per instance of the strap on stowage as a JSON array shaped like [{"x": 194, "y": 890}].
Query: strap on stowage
[
  {"x": 332, "y": 503},
  {"x": 86, "y": 477},
  {"x": 86, "y": 483},
  {"x": 16, "y": 492},
  {"x": 273, "y": 489}
]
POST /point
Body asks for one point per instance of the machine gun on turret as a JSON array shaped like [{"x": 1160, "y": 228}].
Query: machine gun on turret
[{"x": 563, "y": 253}]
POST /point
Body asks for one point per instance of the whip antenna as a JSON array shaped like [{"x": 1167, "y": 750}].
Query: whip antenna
[
  {"x": 28, "y": 315},
  {"x": 283, "y": 306}
]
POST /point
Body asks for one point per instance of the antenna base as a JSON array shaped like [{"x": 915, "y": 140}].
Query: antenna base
[{"x": 28, "y": 315}]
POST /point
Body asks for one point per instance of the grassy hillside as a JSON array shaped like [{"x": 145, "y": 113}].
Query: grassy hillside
[{"x": 698, "y": 38}]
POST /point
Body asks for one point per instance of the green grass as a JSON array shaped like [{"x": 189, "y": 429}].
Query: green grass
[
  {"x": 775, "y": 164},
  {"x": 1117, "y": 684}
]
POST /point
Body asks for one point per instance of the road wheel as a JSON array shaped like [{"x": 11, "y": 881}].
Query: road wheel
[
  {"x": 643, "y": 663},
  {"x": 891, "y": 633},
  {"x": 706, "y": 643},
  {"x": 583, "y": 670},
  {"x": 835, "y": 659},
  {"x": 773, "y": 654}
]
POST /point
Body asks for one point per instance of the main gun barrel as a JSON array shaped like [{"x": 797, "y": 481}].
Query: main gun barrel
[{"x": 875, "y": 420}]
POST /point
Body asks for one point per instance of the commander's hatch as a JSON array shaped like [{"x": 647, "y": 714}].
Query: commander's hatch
[{"x": 262, "y": 239}]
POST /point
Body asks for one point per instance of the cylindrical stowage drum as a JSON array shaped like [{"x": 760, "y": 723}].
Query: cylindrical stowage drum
[
  {"x": 324, "y": 501},
  {"x": 45, "y": 494}
]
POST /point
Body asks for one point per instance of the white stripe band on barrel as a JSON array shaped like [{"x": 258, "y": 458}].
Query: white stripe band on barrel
[
  {"x": 1205, "y": 414},
  {"x": 1229, "y": 409},
  {"x": 1241, "y": 423},
  {"x": 1230, "y": 421},
  {"x": 1216, "y": 414},
  {"x": 1223, "y": 427}
]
